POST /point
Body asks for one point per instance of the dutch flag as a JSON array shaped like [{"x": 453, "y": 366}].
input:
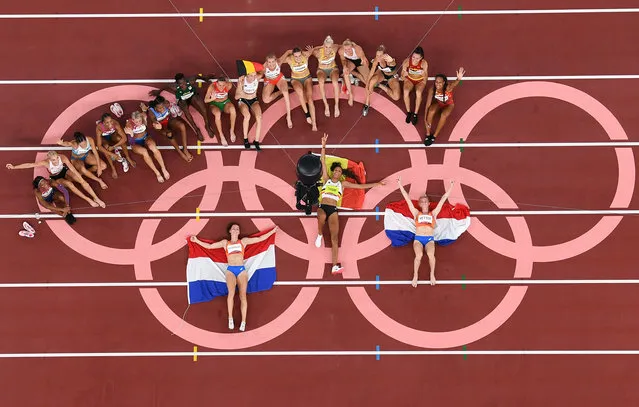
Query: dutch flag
[{"x": 452, "y": 221}]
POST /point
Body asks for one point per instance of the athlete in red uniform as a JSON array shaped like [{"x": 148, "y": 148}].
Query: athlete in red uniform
[{"x": 442, "y": 94}]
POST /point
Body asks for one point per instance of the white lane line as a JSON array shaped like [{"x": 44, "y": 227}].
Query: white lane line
[
  {"x": 370, "y": 146},
  {"x": 324, "y": 283},
  {"x": 324, "y": 353},
  {"x": 467, "y": 78},
  {"x": 300, "y": 214},
  {"x": 371, "y": 13}
]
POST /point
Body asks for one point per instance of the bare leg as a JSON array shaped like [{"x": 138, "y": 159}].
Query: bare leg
[
  {"x": 246, "y": 114},
  {"x": 230, "y": 284},
  {"x": 71, "y": 187},
  {"x": 321, "y": 80},
  {"x": 242, "y": 282},
  {"x": 442, "y": 119},
  {"x": 299, "y": 89},
  {"x": 408, "y": 86},
  {"x": 430, "y": 252},
  {"x": 419, "y": 252},
  {"x": 308, "y": 91},
  {"x": 178, "y": 126},
  {"x": 257, "y": 111},
  {"x": 150, "y": 143},
  {"x": 232, "y": 112},
  {"x": 333, "y": 227},
  {"x": 89, "y": 174},
  {"x": 430, "y": 115},
  {"x": 189, "y": 119},
  {"x": 147, "y": 159},
  {"x": 85, "y": 185},
  {"x": 335, "y": 81},
  {"x": 198, "y": 104}
]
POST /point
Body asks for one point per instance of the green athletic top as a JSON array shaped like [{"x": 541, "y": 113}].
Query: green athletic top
[{"x": 184, "y": 94}]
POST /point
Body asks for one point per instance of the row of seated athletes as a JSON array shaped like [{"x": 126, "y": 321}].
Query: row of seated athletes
[
  {"x": 381, "y": 72},
  {"x": 310, "y": 167}
]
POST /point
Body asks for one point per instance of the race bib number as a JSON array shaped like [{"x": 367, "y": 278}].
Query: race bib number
[{"x": 425, "y": 219}]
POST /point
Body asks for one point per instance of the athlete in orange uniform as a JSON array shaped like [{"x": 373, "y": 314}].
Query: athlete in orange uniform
[
  {"x": 235, "y": 272},
  {"x": 415, "y": 75},
  {"x": 425, "y": 223},
  {"x": 442, "y": 94}
]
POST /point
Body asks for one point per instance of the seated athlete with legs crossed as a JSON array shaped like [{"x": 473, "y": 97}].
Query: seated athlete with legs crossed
[
  {"x": 331, "y": 193},
  {"x": 111, "y": 141},
  {"x": 236, "y": 274},
  {"x": 425, "y": 222}
]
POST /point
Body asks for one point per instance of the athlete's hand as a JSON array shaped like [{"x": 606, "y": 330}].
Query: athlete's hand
[
  {"x": 460, "y": 73},
  {"x": 324, "y": 139},
  {"x": 381, "y": 183},
  {"x": 9, "y": 166},
  {"x": 157, "y": 126},
  {"x": 193, "y": 238},
  {"x": 60, "y": 142}
]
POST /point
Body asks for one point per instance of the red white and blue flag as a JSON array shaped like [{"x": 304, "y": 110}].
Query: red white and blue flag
[
  {"x": 452, "y": 221},
  {"x": 206, "y": 269}
]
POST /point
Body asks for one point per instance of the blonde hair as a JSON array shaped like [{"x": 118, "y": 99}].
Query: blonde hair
[
  {"x": 136, "y": 115},
  {"x": 52, "y": 154},
  {"x": 348, "y": 42}
]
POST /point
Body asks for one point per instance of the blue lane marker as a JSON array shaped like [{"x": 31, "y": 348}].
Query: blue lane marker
[
  {"x": 376, "y": 11},
  {"x": 377, "y": 357},
  {"x": 377, "y": 213},
  {"x": 377, "y": 285},
  {"x": 376, "y": 148}
]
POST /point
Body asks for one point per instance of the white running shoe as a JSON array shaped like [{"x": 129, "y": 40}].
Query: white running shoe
[
  {"x": 231, "y": 324},
  {"x": 116, "y": 109},
  {"x": 28, "y": 227},
  {"x": 318, "y": 241},
  {"x": 25, "y": 233},
  {"x": 337, "y": 269},
  {"x": 243, "y": 326}
]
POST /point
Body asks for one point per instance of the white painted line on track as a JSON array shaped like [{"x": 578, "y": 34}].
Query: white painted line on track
[
  {"x": 466, "y": 78},
  {"x": 371, "y": 13},
  {"x": 300, "y": 214},
  {"x": 324, "y": 283},
  {"x": 323, "y": 353},
  {"x": 420, "y": 146}
]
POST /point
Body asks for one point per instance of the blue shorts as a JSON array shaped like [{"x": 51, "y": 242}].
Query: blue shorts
[
  {"x": 424, "y": 239},
  {"x": 138, "y": 141},
  {"x": 80, "y": 157},
  {"x": 236, "y": 270}
]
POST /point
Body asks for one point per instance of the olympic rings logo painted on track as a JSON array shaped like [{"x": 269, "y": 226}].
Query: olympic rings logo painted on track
[{"x": 522, "y": 249}]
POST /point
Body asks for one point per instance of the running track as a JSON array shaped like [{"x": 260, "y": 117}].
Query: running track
[{"x": 550, "y": 317}]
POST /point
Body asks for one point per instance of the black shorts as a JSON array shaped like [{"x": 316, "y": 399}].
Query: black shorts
[
  {"x": 248, "y": 102},
  {"x": 61, "y": 174},
  {"x": 357, "y": 62},
  {"x": 328, "y": 209}
]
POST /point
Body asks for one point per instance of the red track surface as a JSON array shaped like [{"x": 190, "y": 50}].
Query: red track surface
[{"x": 116, "y": 319}]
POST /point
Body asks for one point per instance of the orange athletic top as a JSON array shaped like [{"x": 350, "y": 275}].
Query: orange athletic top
[
  {"x": 423, "y": 219},
  {"x": 415, "y": 72},
  {"x": 234, "y": 248}
]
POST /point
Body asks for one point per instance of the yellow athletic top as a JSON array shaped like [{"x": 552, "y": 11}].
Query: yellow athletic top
[{"x": 300, "y": 69}]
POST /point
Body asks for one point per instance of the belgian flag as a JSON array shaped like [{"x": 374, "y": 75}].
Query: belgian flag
[
  {"x": 352, "y": 172},
  {"x": 247, "y": 67}
]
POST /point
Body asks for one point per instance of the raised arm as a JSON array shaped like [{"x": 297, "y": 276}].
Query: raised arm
[
  {"x": 412, "y": 208},
  {"x": 214, "y": 245},
  {"x": 323, "y": 158},
  {"x": 209, "y": 93},
  {"x": 444, "y": 198},
  {"x": 168, "y": 88},
  {"x": 460, "y": 74},
  {"x": 284, "y": 58},
  {"x": 250, "y": 240}
]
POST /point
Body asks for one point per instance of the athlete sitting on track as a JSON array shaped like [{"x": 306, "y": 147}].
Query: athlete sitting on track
[
  {"x": 327, "y": 70},
  {"x": 217, "y": 96},
  {"x": 111, "y": 140},
  {"x": 60, "y": 170},
  {"x": 186, "y": 95},
  {"x": 302, "y": 82},
  {"x": 52, "y": 198},
  {"x": 246, "y": 95},
  {"x": 425, "y": 222},
  {"x": 274, "y": 78},
  {"x": 415, "y": 75},
  {"x": 442, "y": 94},
  {"x": 235, "y": 272},
  {"x": 83, "y": 154},
  {"x": 383, "y": 75},
  {"x": 168, "y": 126},
  {"x": 140, "y": 141},
  {"x": 354, "y": 63},
  {"x": 331, "y": 193}
]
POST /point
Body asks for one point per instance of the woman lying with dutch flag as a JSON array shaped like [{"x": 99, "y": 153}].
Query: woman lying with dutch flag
[{"x": 425, "y": 223}]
